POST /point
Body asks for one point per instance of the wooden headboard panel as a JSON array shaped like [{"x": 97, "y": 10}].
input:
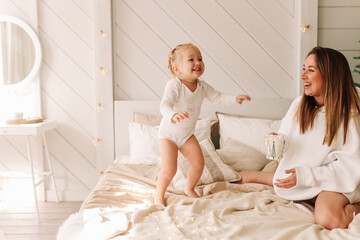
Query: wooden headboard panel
[{"x": 123, "y": 113}]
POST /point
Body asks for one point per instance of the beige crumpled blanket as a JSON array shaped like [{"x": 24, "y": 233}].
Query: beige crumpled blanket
[{"x": 120, "y": 207}]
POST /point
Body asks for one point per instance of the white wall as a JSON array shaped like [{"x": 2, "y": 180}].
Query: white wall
[
  {"x": 248, "y": 46},
  {"x": 220, "y": 28},
  {"x": 68, "y": 92},
  {"x": 339, "y": 28}
]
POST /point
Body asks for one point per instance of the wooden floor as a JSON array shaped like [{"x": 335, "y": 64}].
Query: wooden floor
[{"x": 19, "y": 222}]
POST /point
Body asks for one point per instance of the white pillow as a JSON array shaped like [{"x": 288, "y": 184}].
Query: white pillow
[
  {"x": 215, "y": 169},
  {"x": 249, "y": 131},
  {"x": 144, "y": 147},
  {"x": 143, "y": 140}
]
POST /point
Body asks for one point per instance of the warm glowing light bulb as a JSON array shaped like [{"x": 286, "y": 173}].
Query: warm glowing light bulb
[
  {"x": 305, "y": 27},
  {"x": 96, "y": 141},
  {"x": 99, "y": 107},
  {"x": 103, "y": 70},
  {"x": 102, "y": 33}
]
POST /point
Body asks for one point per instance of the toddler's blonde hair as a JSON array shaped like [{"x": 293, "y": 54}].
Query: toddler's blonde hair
[{"x": 173, "y": 55}]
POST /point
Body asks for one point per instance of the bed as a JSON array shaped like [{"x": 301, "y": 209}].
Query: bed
[{"x": 121, "y": 204}]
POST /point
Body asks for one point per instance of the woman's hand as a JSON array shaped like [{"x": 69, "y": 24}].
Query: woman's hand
[
  {"x": 287, "y": 182},
  {"x": 179, "y": 116},
  {"x": 241, "y": 98}
]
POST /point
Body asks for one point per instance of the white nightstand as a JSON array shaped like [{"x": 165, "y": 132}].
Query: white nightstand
[{"x": 35, "y": 130}]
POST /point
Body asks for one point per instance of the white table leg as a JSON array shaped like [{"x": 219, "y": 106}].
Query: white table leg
[
  {"x": 40, "y": 161},
  {"x": 33, "y": 178},
  {"x": 50, "y": 167}
]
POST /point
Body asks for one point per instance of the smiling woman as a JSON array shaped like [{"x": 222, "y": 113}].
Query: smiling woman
[
  {"x": 320, "y": 159},
  {"x": 313, "y": 82}
]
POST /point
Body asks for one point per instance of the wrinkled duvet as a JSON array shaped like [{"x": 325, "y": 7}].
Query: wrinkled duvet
[{"x": 121, "y": 207}]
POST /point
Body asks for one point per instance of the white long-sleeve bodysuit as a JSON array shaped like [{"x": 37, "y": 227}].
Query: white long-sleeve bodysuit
[
  {"x": 318, "y": 166},
  {"x": 179, "y": 98}
]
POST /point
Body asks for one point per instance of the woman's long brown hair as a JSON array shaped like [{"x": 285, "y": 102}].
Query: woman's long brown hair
[{"x": 341, "y": 99}]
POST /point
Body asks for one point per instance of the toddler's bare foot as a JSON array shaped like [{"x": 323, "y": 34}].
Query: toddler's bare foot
[
  {"x": 159, "y": 200},
  {"x": 191, "y": 193}
]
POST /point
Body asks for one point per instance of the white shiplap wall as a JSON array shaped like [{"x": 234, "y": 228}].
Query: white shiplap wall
[
  {"x": 233, "y": 36},
  {"x": 68, "y": 88},
  {"x": 339, "y": 28},
  {"x": 247, "y": 46}
]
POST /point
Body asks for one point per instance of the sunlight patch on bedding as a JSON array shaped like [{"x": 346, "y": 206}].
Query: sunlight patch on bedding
[
  {"x": 104, "y": 223},
  {"x": 130, "y": 185}
]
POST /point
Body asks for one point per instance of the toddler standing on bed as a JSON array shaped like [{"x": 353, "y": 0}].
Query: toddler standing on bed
[{"x": 180, "y": 107}]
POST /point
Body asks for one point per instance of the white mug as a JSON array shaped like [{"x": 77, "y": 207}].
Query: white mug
[
  {"x": 16, "y": 116},
  {"x": 275, "y": 145}
]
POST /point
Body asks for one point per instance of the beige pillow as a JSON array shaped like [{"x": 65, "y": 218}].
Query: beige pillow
[
  {"x": 215, "y": 169},
  {"x": 242, "y": 157},
  {"x": 146, "y": 119},
  {"x": 215, "y": 135},
  {"x": 271, "y": 166}
]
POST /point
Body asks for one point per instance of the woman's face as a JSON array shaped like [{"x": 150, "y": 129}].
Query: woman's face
[{"x": 313, "y": 81}]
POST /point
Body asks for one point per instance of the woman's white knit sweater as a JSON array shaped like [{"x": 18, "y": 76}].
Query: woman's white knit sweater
[{"x": 318, "y": 166}]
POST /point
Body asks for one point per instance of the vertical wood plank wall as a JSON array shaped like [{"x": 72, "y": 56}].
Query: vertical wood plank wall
[{"x": 234, "y": 37}]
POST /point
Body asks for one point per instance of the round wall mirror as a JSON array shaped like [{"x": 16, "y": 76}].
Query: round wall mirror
[{"x": 20, "y": 53}]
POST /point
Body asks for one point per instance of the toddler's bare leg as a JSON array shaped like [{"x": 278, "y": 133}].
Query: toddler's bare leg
[
  {"x": 168, "y": 153},
  {"x": 192, "y": 152}
]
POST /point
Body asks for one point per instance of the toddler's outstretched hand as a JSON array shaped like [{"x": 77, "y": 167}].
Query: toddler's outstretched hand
[
  {"x": 241, "y": 98},
  {"x": 179, "y": 116}
]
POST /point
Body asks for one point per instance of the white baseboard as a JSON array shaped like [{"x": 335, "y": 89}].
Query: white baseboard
[{"x": 69, "y": 195}]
